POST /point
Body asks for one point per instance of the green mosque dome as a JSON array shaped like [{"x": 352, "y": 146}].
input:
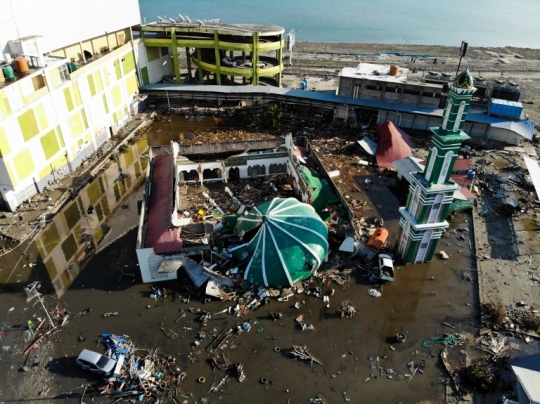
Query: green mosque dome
[
  {"x": 464, "y": 80},
  {"x": 289, "y": 241}
]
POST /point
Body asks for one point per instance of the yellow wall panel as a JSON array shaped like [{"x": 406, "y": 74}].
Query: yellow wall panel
[
  {"x": 132, "y": 85},
  {"x": 105, "y": 73},
  {"x": 42, "y": 116},
  {"x": 56, "y": 81},
  {"x": 49, "y": 144},
  {"x": 5, "y": 106},
  {"x": 98, "y": 82},
  {"x": 76, "y": 125},
  {"x": 28, "y": 124},
  {"x": 116, "y": 96},
  {"x": 24, "y": 164},
  {"x": 5, "y": 148}
]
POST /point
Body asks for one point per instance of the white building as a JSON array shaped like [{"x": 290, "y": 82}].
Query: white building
[{"x": 70, "y": 74}]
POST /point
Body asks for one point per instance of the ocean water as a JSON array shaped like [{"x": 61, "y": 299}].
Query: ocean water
[{"x": 425, "y": 22}]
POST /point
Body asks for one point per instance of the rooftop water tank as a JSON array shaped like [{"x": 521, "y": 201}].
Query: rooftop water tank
[
  {"x": 21, "y": 64},
  {"x": 8, "y": 72},
  {"x": 394, "y": 70}
]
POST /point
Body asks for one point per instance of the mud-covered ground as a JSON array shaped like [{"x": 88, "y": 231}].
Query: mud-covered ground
[{"x": 322, "y": 62}]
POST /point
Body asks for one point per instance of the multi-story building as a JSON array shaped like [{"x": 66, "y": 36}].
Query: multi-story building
[{"x": 69, "y": 80}]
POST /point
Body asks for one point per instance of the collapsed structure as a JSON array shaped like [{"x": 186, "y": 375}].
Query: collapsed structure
[{"x": 274, "y": 238}]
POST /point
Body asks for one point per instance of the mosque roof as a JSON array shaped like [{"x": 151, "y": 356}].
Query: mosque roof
[{"x": 290, "y": 242}]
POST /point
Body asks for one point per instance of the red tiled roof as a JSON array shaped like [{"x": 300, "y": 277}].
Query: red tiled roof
[
  {"x": 459, "y": 179},
  {"x": 467, "y": 194},
  {"x": 160, "y": 234},
  {"x": 462, "y": 164},
  {"x": 394, "y": 144}
]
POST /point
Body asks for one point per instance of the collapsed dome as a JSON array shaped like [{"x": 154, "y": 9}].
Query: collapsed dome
[{"x": 288, "y": 242}]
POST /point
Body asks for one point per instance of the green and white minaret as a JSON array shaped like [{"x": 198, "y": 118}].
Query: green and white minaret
[{"x": 430, "y": 192}]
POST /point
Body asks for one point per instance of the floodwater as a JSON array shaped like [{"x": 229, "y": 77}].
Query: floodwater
[{"x": 416, "y": 304}]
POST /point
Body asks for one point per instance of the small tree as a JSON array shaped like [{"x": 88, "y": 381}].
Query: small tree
[{"x": 275, "y": 115}]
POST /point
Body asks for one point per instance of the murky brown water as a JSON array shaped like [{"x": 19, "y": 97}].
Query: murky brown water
[
  {"x": 415, "y": 304},
  {"x": 421, "y": 298}
]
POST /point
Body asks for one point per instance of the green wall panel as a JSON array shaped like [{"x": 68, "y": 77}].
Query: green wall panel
[
  {"x": 24, "y": 164},
  {"x": 28, "y": 124},
  {"x": 145, "y": 76},
  {"x": 49, "y": 143},
  {"x": 152, "y": 53}
]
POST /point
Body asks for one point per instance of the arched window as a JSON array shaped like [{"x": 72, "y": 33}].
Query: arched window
[
  {"x": 445, "y": 167},
  {"x": 447, "y": 113},
  {"x": 434, "y": 214},
  {"x": 459, "y": 116},
  {"x": 404, "y": 239},
  {"x": 415, "y": 201},
  {"x": 424, "y": 244},
  {"x": 432, "y": 159}
]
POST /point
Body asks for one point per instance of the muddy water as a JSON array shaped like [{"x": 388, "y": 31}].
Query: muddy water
[
  {"x": 178, "y": 128},
  {"x": 418, "y": 301},
  {"x": 421, "y": 298}
]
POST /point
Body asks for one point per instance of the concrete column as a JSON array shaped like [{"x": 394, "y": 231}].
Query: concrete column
[{"x": 175, "y": 56}]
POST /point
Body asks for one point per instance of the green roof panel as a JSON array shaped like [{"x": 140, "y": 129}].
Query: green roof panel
[{"x": 290, "y": 241}]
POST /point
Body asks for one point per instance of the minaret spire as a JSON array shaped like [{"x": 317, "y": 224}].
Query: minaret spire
[{"x": 430, "y": 192}]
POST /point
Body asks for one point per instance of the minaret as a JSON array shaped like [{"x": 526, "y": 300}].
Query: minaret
[{"x": 430, "y": 192}]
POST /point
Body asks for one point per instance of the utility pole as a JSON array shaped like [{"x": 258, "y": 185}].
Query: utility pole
[{"x": 31, "y": 293}]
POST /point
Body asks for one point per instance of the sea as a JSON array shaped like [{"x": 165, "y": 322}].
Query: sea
[{"x": 486, "y": 23}]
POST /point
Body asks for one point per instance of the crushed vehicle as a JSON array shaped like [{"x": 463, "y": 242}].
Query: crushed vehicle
[
  {"x": 95, "y": 362},
  {"x": 386, "y": 267}
]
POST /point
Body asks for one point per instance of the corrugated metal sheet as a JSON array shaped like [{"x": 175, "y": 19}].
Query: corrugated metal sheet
[
  {"x": 194, "y": 271},
  {"x": 159, "y": 233},
  {"x": 408, "y": 165},
  {"x": 534, "y": 170},
  {"x": 522, "y": 128},
  {"x": 530, "y": 381}
]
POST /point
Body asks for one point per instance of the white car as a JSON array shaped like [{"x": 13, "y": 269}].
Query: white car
[
  {"x": 95, "y": 362},
  {"x": 386, "y": 267}
]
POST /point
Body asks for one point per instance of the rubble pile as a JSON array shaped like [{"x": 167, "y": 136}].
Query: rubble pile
[
  {"x": 147, "y": 377},
  {"x": 521, "y": 318}
]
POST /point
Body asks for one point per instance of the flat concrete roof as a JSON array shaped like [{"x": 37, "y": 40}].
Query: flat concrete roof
[
  {"x": 371, "y": 71},
  {"x": 206, "y": 26}
]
